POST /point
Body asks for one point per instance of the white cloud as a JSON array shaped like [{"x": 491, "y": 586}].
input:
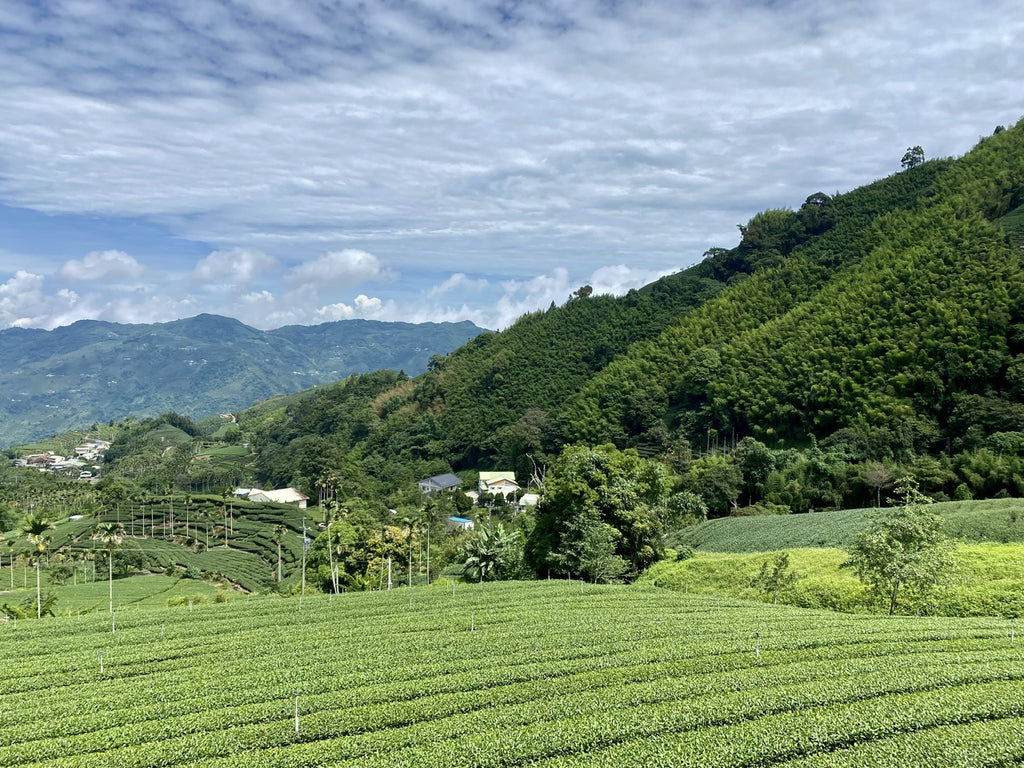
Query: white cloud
[
  {"x": 363, "y": 307},
  {"x": 335, "y": 269},
  {"x": 102, "y": 265},
  {"x": 232, "y": 269},
  {"x": 312, "y": 149},
  {"x": 619, "y": 279},
  {"x": 21, "y": 299},
  {"x": 459, "y": 284},
  {"x": 258, "y": 297}
]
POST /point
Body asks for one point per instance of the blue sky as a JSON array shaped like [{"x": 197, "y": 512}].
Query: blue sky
[{"x": 291, "y": 161}]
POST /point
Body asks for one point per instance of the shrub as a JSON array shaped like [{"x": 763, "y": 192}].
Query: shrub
[{"x": 186, "y": 600}]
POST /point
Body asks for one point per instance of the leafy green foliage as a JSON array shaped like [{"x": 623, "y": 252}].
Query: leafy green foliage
[
  {"x": 491, "y": 553},
  {"x": 600, "y": 515},
  {"x": 775, "y": 576},
  {"x": 549, "y": 676},
  {"x": 902, "y": 548}
]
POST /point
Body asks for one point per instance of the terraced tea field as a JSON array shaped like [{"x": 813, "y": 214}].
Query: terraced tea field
[{"x": 543, "y": 673}]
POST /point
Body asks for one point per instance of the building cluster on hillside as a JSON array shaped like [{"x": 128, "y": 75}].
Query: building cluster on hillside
[
  {"x": 88, "y": 454},
  {"x": 490, "y": 485}
]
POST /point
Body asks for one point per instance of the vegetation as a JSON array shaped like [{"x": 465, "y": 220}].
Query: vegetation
[
  {"x": 903, "y": 548},
  {"x": 35, "y": 529},
  {"x": 996, "y": 520},
  {"x": 92, "y": 371},
  {"x": 985, "y": 580},
  {"x": 862, "y": 337},
  {"x": 110, "y": 535},
  {"x": 508, "y": 674},
  {"x": 600, "y": 516}
]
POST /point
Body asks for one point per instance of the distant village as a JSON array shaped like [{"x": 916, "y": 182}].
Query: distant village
[
  {"x": 85, "y": 463},
  {"x": 490, "y": 485}
]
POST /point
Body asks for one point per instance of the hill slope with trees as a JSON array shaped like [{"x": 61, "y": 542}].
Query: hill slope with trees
[
  {"x": 860, "y": 339},
  {"x": 861, "y": 336}
]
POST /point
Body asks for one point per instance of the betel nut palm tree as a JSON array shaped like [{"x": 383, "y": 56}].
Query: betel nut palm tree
[
  {"x": 110, "y": 535},
  {"x": 35, "y": 528},
  {"x": 279, "y": 532}
]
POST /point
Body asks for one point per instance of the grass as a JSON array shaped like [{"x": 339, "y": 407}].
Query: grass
[
  {"x": 988, "y": 580},
  {"x": 548, "y": 674}
]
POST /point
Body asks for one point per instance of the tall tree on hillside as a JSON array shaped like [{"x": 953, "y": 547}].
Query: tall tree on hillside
[
  {"x": 35, "y": 528},
  {"x": 912, "y": 158},
  {"x": 110, "y": 535},
  {"x": 599, "y": 503},
  {"x": 877, "y": 476}
]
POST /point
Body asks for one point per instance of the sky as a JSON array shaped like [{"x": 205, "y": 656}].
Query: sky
[{"x": 303, "y": 161}]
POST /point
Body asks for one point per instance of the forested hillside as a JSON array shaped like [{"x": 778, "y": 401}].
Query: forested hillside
[
  {"x": 860, "y": 336},
  {"x": 901, "y": 329},
  {"x": 493, "y": 401},
  {"x": 840, "y": 346},
  {"x": 859, "y": 344}
]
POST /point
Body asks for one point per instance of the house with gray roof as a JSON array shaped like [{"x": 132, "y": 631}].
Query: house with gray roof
[{"x": 437, "y": 483}]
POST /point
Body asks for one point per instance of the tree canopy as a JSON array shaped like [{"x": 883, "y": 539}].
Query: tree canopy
[{"x": 903, "y": 549}]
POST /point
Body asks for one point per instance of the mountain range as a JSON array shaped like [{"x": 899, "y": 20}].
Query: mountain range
[{"x": 94, "y": 371}]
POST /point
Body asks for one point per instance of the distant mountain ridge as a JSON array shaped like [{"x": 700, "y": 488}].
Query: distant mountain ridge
[{"x": 96, "y": 371}]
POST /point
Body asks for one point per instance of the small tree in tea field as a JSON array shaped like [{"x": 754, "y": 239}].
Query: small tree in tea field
[
  {"x": 903, "y": 548},
  {"x": 110, "y": 535},
  {"x": 775, "y": 576}
]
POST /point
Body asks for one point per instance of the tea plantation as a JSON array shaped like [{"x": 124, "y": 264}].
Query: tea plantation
[{"x": 501, "y": 674}]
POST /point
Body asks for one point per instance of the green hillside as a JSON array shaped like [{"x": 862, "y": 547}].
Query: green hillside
[
  {"x": 902, "y": 323},
  {"x": 861, "y": 337},
  {"x": 546, "y": 674},
  {"x": 995, "y": 520},
  {"x": 840, "y": 347},
  {"x": 201, "y": 536},
  {"x": 92, "y": 371}
]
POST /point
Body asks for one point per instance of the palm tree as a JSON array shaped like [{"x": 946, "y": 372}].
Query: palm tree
[
  {"x": 188, "y": 502},
  {"x": 110, "y": 534},
  {"x": 34, "y": 527},
  {"x": 279, "y": 533}
]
